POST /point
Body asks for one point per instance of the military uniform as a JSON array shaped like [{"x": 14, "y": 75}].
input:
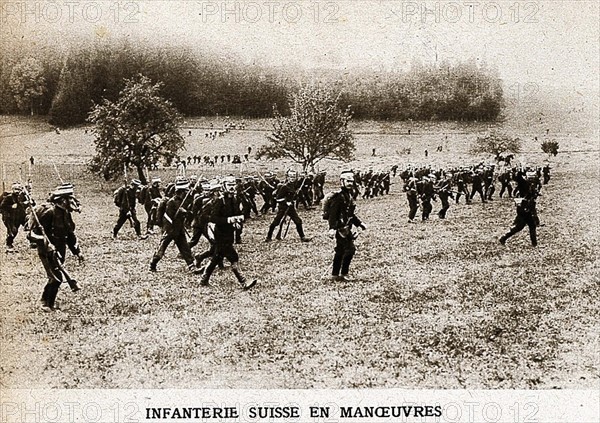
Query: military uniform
[
  {"x": 425, "y": 190},
  {"x": 505, "y": 178},
  {"x": 150, "y": 197},
  {"x": 413, "y": 198},
  {"x": 342, "y": 219},
  {"x": 52, "y": 230},
  {"x": 174, "y": 227},
  {"x": 13, "y": 207},
  {"x": 526, "y": 216},
  {"x": 267, "y": 189},
  {"x": 444, "y": 192},
  {"x": 286, "y": 197},
  {"x": 125, "y": 199},
  {"x": 477, "y": 181},
  {"x": 225, "y": 215}
]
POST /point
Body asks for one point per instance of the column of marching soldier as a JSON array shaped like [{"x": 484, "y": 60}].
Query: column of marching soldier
[{"x": 218, "y": 209}]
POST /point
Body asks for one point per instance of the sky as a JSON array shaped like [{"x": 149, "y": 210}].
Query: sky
[{"x": 549, "y": 43}]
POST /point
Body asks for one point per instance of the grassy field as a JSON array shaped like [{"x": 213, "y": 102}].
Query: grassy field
[{"x": 439, "y": 304}]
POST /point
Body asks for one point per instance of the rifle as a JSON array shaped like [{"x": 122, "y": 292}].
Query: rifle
[
  {"x": 129, "y": 217},
  {"x": 286, "y": 215}
]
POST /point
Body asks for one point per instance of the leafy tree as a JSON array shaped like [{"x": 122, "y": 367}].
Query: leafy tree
[
  {"x": 137, "y": 130},
  {"x": 27, "y": 83},
  {"x": 315, "y": 129},
  {"x": 550, "y": 147},
  {"x": 496, "y": 143}
]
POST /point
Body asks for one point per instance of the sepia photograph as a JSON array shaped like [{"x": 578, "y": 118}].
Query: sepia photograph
[{"x": 332, "y": 198}]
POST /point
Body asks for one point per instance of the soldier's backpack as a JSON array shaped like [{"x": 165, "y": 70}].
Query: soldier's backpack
[
  {"x": 118, "y": 196},
  {"x": 160, "y": 211},
  {"x": 327, "y": 201},
  {"x": 142, "y": 194}
]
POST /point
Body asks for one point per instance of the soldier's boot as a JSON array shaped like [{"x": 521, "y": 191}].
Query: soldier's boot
[
  {"x": 300, "y": 230},
  {"x": 207, "y": 272},
  {"x": 44, "y": 300},
  {"x": 73, "y": 285},
  {"x": 49, "y": 295},
  {"x": 270, "y": 234},
  {"x": 153, "y": 264},
  {"x": 503, "y": 240},
  {"x": 241, "y": 278}
]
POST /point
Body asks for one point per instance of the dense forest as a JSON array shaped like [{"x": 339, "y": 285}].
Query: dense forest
[{"x": 64, "y": 84}]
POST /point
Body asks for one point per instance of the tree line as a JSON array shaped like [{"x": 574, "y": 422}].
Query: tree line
[{"x": 65, "y": 85}]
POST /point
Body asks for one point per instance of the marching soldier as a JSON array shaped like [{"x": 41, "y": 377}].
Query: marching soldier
[
  {"x": 225, "y": 216},
  {"x": 413, "y": 198},
  {"x": 342, "y": 218},
  {"x": 150, "y": 197},
  {"x": 425, "y": 190},
  {"x": 477, "y": 181},
  {"x": 505, "y": 178},
  {"x": 174, "y": 226},
  {"x": 267, "y": 188},
  {"x": 198, "y": 211},
  {"x": 125, "y": 199},
  {"x": 286, "y": 198},
  {"x": 461, "y": 186},
  {"x": 213, "y": 196},
  {"x": 52, "y": 230},
  {"x": 13, "y": 207},
  {"x": 526, "y": 216},
  {"x": 444, "y": 192},
  {"x": 319, "y": 183},
  {"x": 546, "y": 173},
  {"x": 488, "y": 182}
]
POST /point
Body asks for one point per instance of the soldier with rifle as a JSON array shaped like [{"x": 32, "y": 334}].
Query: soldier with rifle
[
  {"x": 267, "y": 187},
  {"x": 286, "y": 199},
  {"x": 443, "y": 191},
  {"x": 319, "y": 184},
  {"x": 412, "y": 195},
  {"x": 426, "y": 194},
  {"x": 250, "y": 189},
  {"x": 505, "y": 178},
  {"x": 226, "y": 215},
  {"x": 488, "y": 181},
  {"x": 198, "y": 224},
  {"x": 213, "y": 195},
  {"x": 526, "y": 216},
  {"x": 176, "y": 211},
  {"x": 52, "y": 230},
  {"x": 150, "y": 196},
  {"x": 13, "y": 206},
  {"x": 125, "y": 199},
  {"x": 462, "y": 178},
  {"x": 305, "y": 192},
  {"x": 477, "y": 184},
  {"x": 341, "y": 217}
]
